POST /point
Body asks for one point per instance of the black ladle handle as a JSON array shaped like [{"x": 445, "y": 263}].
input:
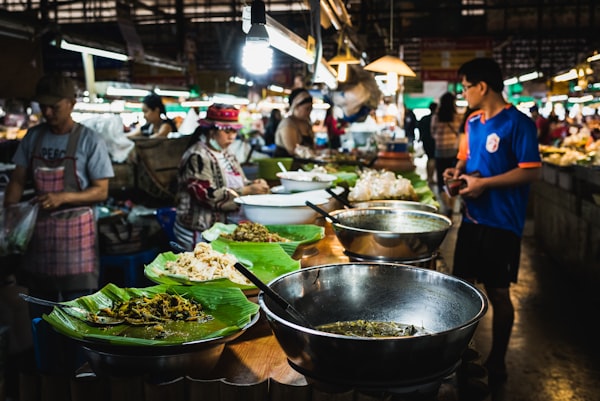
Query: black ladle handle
[
  {"x": 273, "y": 295},
  {"x": 322, "y": 212},
  {"x": 341, "y": 199}
]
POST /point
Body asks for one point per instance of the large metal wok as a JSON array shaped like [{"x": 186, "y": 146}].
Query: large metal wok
[
  {"x": 446, "y": 307},
  {"x": 389, "y": 234},
  {"x": 395, "y": 204}
]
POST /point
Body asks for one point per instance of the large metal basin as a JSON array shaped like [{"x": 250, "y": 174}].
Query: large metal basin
[
  {"x": 390, "y": 234},
  {"x": 396, "y": 204},
  {"x": 448, "y": 308}
]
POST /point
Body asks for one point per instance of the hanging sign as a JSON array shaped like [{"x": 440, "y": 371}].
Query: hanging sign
[{"x": 441, "y": 58}]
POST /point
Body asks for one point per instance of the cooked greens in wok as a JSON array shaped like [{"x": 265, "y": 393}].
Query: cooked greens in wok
[{"x": 370, "y": 328}]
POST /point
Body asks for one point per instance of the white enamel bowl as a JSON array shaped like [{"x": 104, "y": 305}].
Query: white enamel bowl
[{"x": 280, "y": 208}]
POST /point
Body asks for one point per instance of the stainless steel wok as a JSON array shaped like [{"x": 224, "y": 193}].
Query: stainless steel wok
[
  {"x": 396, "y": 204},
  {"x": 389, "y": 234},
  {"x": 446, "y": 307}
]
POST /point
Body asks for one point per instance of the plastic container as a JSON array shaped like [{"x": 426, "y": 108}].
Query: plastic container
[{"x": 268, "y": 167}]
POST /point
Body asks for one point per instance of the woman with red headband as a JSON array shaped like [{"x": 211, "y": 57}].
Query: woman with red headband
[{"x": 210, "y": 177}]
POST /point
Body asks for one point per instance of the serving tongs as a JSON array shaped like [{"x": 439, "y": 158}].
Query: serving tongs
[
  {"x": 340, "y": 197},
  {"x": 322, "y": 212},
  {"x": 80, "y": 313},
  {"x": 287, "y": 307}
]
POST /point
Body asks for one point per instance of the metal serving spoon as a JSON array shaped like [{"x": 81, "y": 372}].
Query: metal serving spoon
[{"x": 89, "y": 317}]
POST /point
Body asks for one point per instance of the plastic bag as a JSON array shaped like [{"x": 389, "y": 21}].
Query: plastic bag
[
  {"x": 110, "y": 128},
  {"x": 18, "y": 223}
]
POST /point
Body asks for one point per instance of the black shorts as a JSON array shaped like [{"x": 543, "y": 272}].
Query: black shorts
[{"x": 486, "y": 254}]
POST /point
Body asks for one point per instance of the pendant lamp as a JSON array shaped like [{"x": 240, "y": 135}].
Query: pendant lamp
[
  {"x": 342, "y": 60},
  {"x": 391, "y": 64}
]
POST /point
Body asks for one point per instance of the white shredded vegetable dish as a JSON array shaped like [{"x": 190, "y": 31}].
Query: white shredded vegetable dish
[
  {"x": 378, "y": 185},
  {"x": 204, "y": 263}
]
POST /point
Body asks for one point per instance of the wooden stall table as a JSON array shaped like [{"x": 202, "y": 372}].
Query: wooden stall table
[
  {"x": 256, "y": 355},
  {"x": 252, "y": 367}
]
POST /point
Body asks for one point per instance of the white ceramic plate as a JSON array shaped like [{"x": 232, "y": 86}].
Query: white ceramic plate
[{"x": 299, "y": 181}]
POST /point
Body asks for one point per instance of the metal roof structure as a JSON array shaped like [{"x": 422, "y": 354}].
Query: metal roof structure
[{"x": 550, "y": 36}]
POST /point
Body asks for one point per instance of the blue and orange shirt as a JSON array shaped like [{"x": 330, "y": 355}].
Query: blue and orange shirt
[{"x": 492, "y": 147}]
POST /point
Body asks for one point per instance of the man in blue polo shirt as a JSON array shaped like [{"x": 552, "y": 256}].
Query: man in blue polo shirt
[{"x": 500, "y": 144}]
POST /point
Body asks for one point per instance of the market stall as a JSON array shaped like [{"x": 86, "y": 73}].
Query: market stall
[
  {"x": 567, "y": 205},
  {"x": 250, "y": 366}
]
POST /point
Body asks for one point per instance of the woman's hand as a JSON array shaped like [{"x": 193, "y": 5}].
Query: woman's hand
[{"x": 258, "y": 186}]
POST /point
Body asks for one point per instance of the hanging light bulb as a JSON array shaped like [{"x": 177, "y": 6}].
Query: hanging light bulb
[
  {"x": 257, "y": 59},
  {"x": 342, "y": 72},
  {"x": 257, "y": 55},
  {"x": 392, "y": 82}
]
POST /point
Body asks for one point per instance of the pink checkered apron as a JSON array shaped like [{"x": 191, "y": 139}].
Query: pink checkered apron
[{"x": 64, "y": 241}]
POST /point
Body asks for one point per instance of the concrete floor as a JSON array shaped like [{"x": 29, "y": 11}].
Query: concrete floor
[{"x": 554, "y": 353}]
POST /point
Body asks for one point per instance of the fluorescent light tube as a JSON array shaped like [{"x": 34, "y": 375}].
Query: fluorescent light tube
[
  {"x": 582, "y": 99},
  {"x": 288, "y": 42},
  {"x": 558, "y": 98},
  {"x": 567, "y": 76},
  {"x": 93, "y": 51},
  {"x": 595, "y": 57},
  {"x": 326, "y": 74},
  {"x": 275, "y": 88},
  {"x": 530, "y": 76},
  {"x": 112, "y": 91},
  {"x": 172, "y": 93},
  {"x": 197, "y": 103}
]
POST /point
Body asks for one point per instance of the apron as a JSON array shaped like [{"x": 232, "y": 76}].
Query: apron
[{"x": 64, "y": 241}]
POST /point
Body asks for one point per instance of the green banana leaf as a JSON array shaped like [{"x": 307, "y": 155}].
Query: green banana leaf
[
  {"x": 299, "y": 234},
  {"x": 421, "y": 187},
  {"x": 266, "y": 260},
  {"x": 229, "y": 307}
]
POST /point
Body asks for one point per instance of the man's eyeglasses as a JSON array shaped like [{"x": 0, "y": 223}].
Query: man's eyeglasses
[{"x": 466, "y": 87}]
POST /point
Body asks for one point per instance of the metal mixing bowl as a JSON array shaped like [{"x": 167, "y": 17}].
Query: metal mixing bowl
[
  {"x": 390, "y": 234},
  {"x": 448, "y": 308}
]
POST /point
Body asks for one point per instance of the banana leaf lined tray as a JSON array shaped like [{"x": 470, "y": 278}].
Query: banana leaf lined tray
[
  {"x": 230, "y": 309},
  {"x": 298, "y": 234},
  {"x": 266, "y": 260}
]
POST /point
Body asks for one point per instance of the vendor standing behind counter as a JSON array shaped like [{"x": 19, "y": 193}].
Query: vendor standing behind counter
[
  {"x": 158, "y": 125},
  {"x": 70, "y": 167},
  {"x": 210, "y": 177},
  {"x": 296, "y": 128}
]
